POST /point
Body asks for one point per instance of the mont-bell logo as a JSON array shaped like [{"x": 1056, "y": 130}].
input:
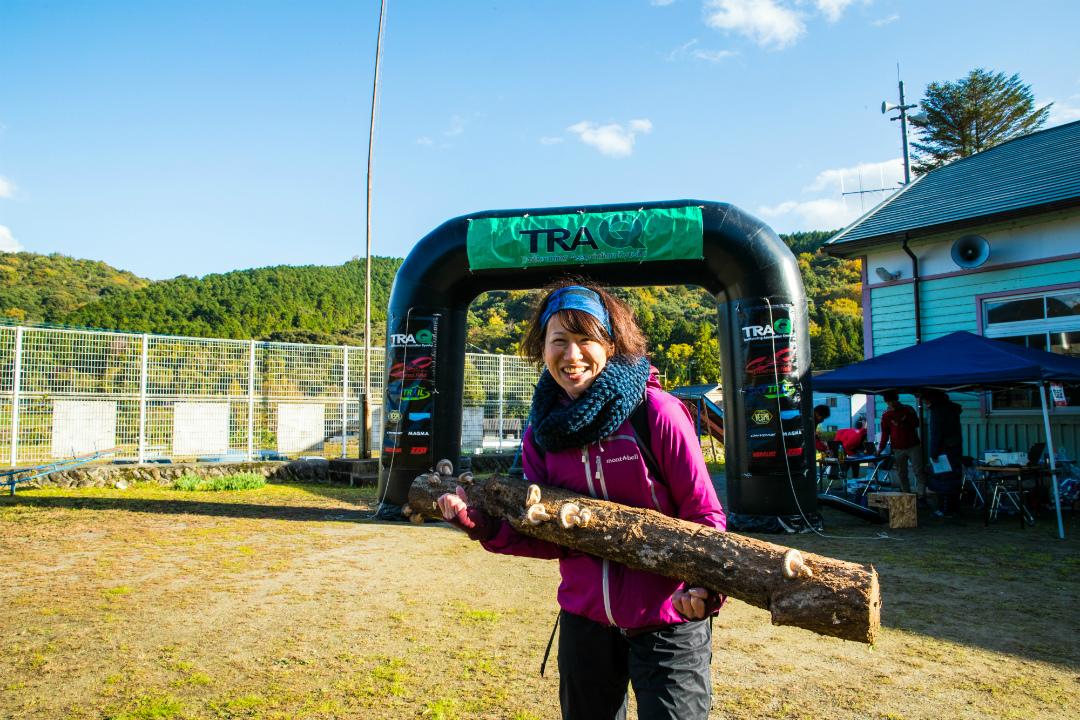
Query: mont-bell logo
[{"x": 618, "y": 232}]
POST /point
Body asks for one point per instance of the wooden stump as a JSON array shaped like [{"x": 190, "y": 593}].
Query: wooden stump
[
  {"x": 828, "y": 596},
  {"x": 900, "y": 506}
]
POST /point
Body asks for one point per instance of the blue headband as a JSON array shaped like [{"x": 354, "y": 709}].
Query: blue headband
[{"x": 575, "y": 297}]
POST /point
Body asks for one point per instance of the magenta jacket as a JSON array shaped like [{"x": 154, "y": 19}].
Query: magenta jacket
[{"x": 613, "y": 469}]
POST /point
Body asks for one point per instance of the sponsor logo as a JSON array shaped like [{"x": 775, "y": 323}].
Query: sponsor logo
[
  {"x": 415, "y": 369},
  {"x": 786, "y": 389},
  {"x": 394, "y": 416},
  {"x": 792, "y": 433},
  {"x": 789, "y": 415},
  {"x": 622, "y": 458},
  {"x": 780, "y": 329},
  {"x": 414, "y": 393},
  {"x": 618, "y": 232},
  {"x": 417, "y": 417},
  {"x": 418, "y": 433},
  {"x": 391, "y": 450},
  {"x": 763, "y": 454},
  {"x": 762, "y": 435},
  {"x": 794, "y": 451},
  {"x": 421, "y": 337},
  {"x": 761, "y": 417},
  {"x": 418, "y": 451},
  {"x": 783, "y": 362}
]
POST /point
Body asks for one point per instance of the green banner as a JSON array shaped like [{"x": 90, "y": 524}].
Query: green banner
[{"x": 585, "y": 238}]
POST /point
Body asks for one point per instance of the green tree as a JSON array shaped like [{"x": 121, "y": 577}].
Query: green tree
[{"x": 973, "y": 114}]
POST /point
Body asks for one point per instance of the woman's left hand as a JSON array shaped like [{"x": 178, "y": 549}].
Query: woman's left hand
[{"x": 690, "y": 602}]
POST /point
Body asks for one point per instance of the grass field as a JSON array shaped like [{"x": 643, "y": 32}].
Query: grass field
[{"x": 288, "y": 602}]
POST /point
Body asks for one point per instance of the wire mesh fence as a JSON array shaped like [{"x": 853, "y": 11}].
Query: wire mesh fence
[{"x": 66, "y": 393}]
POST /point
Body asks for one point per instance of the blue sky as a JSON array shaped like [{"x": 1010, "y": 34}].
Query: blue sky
[{"x": 193, "y": 137}]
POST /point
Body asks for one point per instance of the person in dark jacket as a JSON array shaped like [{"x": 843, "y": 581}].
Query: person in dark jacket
[
  {"x": 946, "y": 442},
  {"x": 618, "y": 626}
]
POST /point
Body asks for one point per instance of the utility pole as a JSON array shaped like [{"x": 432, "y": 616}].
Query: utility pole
[
  {"x": 886, "y": 106},
  {"x": 365, "y": 408}
]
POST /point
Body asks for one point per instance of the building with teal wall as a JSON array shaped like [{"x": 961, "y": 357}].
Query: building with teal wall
[{"x": 989, "y": 244}]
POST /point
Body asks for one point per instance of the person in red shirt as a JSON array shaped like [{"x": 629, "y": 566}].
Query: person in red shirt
[
  {"x": 900, "y": 428},
  {"x": 853, "y": 438}
]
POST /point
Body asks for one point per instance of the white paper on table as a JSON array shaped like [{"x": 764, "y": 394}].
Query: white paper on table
[{"x": 940, "y": 465}]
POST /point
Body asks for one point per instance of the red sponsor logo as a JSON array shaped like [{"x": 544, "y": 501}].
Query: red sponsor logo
[
  {"x": 794, "y": 451},
  {"x": 418, "y": 451},
  {"x": 415, "y": 369},
  {"x": 391, "y": 450},
  {"x": 764, "y": 454},
  {"x": 783, "y": 362}
]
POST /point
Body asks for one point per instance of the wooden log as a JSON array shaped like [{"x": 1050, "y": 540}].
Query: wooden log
[{"x": 827, "y": 596}]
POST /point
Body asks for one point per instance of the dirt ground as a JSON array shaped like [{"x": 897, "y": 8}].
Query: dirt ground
[{"x": 288, "y": 602}]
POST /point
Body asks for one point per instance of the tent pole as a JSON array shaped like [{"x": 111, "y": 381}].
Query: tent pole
[{"x": 1053, "y": 464}]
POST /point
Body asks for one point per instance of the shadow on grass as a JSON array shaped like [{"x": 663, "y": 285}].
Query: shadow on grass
[{"x": 166, "y": 506}]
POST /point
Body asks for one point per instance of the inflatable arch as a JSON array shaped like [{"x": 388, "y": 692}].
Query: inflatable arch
[{"x": 764, "y": 340}]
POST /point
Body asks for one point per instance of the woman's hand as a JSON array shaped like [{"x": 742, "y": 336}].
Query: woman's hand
[
  {"x": 455, "y": 508},
  {"x": 690, "y": 603}
]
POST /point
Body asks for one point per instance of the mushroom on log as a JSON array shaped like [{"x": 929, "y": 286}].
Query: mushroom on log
[{"x": 827, "y": 596}]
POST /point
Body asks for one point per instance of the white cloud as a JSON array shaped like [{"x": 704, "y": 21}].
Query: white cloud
[
  {"x": 613, "y": 139},
  {"x": 832, "y": 9},
  {"x": 661, "y": 3},
  {"x": 766, "y": 22},
  {"x": 714, "y": 56},
  {"x": 1062, "y": 112},
  {"x": 836, "y": 209},
  {"x": 885, "y": 174},
  {"x": 425, "y": 140},
  {"x": 820, "y": 214},
  {"x": 8, "y": 243},
  {"x": 551, "y": 140},
  {"x": 681, "y": 50},
  {"x": 457, "y": 126},
  {"x": 881, "y": 22},
  {"x": 7, "y": 188}
]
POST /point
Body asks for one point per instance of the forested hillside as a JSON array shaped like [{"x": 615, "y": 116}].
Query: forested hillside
[
  {"x": 310, "y": 303},
  {"x": 48, "y": 288},
  {"x": 325, "y": 304}
]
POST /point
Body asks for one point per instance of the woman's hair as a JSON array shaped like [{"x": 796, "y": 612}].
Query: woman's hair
[{"x": 628, "y": 339}]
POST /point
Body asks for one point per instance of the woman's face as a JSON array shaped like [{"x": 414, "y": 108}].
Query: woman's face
[{"x": 573, "y": 360}]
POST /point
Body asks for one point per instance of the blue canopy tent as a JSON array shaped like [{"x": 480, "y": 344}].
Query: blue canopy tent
[{"x": 961, "y": 361}]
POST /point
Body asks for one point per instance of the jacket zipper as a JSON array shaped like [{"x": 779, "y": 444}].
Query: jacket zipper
[{"x": 604, "y": 564}]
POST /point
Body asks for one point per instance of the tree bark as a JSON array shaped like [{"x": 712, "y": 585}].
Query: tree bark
[{"x": 821, "y": 594}]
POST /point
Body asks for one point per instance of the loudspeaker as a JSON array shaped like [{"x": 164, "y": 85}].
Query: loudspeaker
[{"x": 970, "y": 251}]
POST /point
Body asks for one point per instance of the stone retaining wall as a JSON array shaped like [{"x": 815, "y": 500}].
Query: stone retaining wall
[{"x": 109, "y": 475}]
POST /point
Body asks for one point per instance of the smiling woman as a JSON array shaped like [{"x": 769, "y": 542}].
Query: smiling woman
[{"x": 619, "y": 626}]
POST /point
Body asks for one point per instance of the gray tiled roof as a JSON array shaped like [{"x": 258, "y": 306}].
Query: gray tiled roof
[{"x": 1037, "y": 171}]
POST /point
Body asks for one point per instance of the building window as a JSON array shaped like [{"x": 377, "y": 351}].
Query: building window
[
  {"x": 1047, "y": 321},
  {"x": 830, "y": 402}
]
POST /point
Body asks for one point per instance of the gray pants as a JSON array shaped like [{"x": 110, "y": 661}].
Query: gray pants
[
  {"x": 901, "y": 458},
  {"x": 668, "y": 669}
]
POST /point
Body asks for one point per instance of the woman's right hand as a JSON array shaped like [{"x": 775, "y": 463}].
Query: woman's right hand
[{"x": 455, "y": 508}]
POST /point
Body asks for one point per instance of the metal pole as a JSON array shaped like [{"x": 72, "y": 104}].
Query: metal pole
[
  {"x": 142, "y": 397},
  {"x": 251, "y": 402},
  {"x": 344, "y": 398},
  {"x": 366, "y": 450},
  {"x": 502, "y": 393},
  {"x": 1053, "y": 463},
  {"x": 903, "y": 133},
  {"x": 15, "y": 399}
]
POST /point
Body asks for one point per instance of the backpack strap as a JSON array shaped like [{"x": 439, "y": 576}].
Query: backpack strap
[{"x": 639, "y": 421}]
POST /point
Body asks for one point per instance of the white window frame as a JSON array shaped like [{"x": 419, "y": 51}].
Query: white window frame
[{"x": 1028, "y": 327}]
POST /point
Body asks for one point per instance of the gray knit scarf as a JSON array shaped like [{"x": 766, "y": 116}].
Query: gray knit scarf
[{"x": 597, "y": 413}]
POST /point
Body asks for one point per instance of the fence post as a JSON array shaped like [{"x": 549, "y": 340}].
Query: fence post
[
  {"x": 502, "y": 400},
  {"x": 251, "y": 401},
  {"x": 15, "y": 399},
  {"x": 344, "y": 398},
  {"x": 142, "y": 397}
]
